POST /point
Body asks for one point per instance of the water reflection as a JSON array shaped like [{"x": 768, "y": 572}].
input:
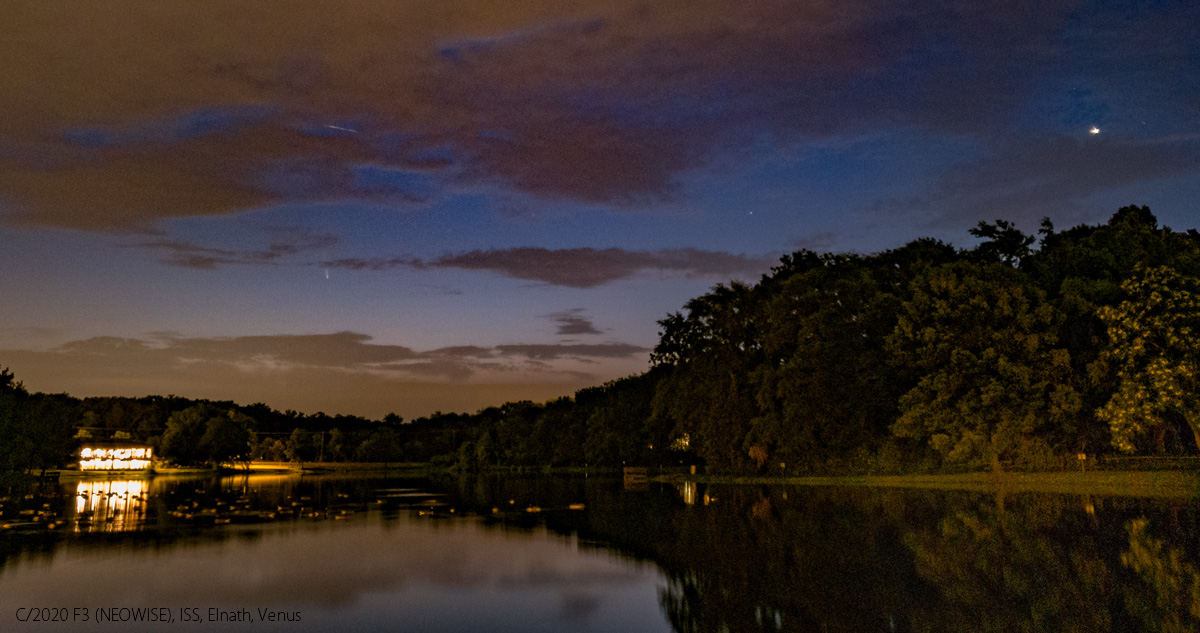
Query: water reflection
[
  {"x": 346, "y": 554},
  {"x": 687, "y": 490},
  {"x": 567, "y": 554},
  {"x": 109, "y": 506}
]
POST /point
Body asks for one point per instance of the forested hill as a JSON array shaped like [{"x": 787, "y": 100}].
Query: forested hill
[{"x": 1020, "y": 353}]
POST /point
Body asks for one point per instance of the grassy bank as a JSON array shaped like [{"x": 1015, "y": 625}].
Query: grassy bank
[{"x": 1169, "y": 484}]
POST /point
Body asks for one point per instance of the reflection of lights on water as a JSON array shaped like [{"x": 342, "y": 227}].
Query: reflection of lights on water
[
  {"x": 689, "y": 492},
  {"x": 109, "y": 506},
  {"x": 114, "y": 458}
]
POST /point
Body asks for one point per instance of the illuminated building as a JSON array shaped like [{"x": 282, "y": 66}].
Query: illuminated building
[{"x": 119, "y": 457}]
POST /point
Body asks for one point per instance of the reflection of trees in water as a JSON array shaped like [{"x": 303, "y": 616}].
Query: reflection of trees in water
[
  {"x": 769, "y": 560},
  {"x": 775, "y": 559},
  {"x": 1169, "y": 598},
  {"x": 743, "y": 558},
  {"x": 1031, "y": 563},
  {"x": 1051, "y": 563}
]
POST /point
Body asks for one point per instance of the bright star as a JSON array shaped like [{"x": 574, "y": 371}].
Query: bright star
[{"x": 1094, "y": 131}]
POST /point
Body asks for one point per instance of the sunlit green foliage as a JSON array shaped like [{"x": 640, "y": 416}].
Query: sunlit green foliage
[{"x": 1155, "y": 349}]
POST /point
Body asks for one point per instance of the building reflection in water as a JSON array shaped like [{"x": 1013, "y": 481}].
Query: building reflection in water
[{"x": 110, "y": 505}]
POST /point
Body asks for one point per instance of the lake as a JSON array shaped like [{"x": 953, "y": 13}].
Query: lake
[{"x": 320, "y": 553}]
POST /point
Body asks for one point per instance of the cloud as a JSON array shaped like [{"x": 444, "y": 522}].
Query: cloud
[
  {"x": 190, "y": 255},
  {"x": 343, "y": 372},
  {"x": 573, "y": 323},
  {"x": 376, "y": 264},
  {"x": 578, "y": 267},
  {"x": 341, "y": 350},
  {"x": 562, "y": 350},
  {"x": 604, "y": 101}
]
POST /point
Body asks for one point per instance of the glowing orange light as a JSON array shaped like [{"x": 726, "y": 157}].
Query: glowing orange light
[{"x": 115, "y": 458}]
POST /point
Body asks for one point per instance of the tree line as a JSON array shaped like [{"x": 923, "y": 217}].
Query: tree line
[
  {"x": 929, "y": 357},
  {"x": 1022, "y": 351}
]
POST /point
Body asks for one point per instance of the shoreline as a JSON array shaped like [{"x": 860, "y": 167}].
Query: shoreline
[
  {"x": 1136, "y": 483},
  {"x": 1139, "y": 483}
]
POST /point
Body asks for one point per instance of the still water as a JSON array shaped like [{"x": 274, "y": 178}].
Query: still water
[{"x": 285, "y": 553}]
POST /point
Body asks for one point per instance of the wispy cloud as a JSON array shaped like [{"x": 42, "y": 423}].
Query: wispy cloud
[
  {"x": 557, "y": 351},
  {"x": 375, "y": 264},
  {"x": 343, "y": 351},
  {"x": 573, "y": 323},
  {"x": 579, "y": 267},
  {"x": 323, "y": 370},
  {"x": 190, "y": 255}
]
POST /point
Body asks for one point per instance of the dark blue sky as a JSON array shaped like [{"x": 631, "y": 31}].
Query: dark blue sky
[{"x": 408, "y": 206}]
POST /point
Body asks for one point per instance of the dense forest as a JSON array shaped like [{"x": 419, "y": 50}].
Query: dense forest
[{"x": 1020, "y": 352}]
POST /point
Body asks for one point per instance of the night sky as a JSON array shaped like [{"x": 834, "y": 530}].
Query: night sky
[{"x": 397, "y": 205}]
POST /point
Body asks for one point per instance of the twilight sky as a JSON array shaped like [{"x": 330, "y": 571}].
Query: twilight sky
[{"x": 400, "y": 205}]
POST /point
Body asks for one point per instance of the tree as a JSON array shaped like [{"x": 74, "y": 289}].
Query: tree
[
  {"x": 617, "y": 429},
  {"x": 48, "y": 426},
  {"x": 1081, "y": 271},
  {"x": 382, "y": 446},
  {"x": 1005, "y": 243},
  {"x": 302, "y": 446},
  {"x": 185, "y": 429},
  {"x": 270, "y": 449},
  {"x": 227, "y": 438},
  {"x": 709, "y": 357},
  {"x": 335, "y": 448},
  {"x": 992, "y": 381},
  {"x": 1155, "y": 350},
  {"x": 204, "y": 434},
  {"x": 14, "y": 445},
  {"x": 826, "y": 390}
]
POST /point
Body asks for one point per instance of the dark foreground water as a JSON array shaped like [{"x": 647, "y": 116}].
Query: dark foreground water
[{"x": 274, "y": 553}]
